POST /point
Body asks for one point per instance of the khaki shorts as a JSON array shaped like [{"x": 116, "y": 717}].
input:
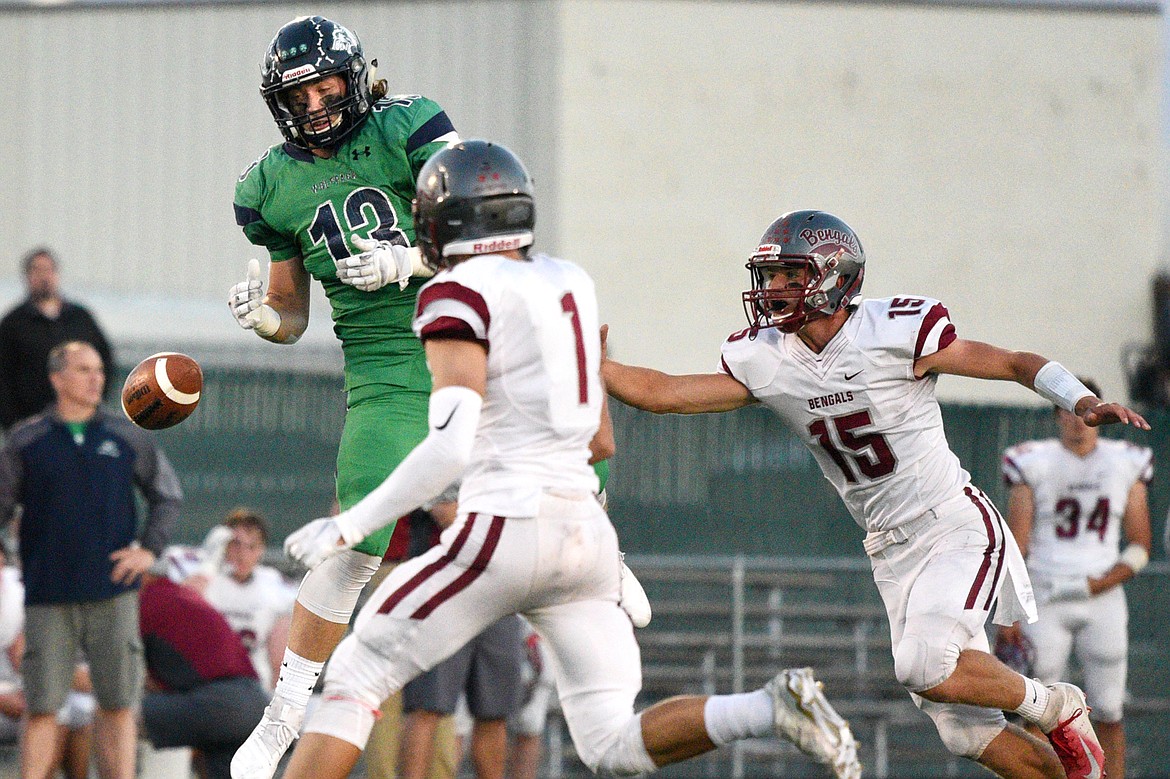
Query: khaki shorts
[{"x": 105, "y": 632}]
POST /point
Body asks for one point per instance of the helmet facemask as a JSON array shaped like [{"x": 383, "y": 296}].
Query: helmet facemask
[
  {"x": 789, "y": 308},
  {"x": 343, "y": 112}
]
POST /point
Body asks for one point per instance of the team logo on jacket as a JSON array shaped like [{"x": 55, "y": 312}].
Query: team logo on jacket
[{"x": 109, "y": 449}]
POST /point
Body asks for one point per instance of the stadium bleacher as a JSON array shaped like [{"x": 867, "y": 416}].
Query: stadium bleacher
[{"x": 688, "y": 494}]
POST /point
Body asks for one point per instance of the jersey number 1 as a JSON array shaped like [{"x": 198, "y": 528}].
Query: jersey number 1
[{"x": 569, "y": 306}]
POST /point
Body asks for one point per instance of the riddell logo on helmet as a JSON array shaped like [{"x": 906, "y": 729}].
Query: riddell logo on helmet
[
  {"x": 303, "y": 70},
  {"x": 830, "y": 235},
  {"x": 497, "y": 245}
]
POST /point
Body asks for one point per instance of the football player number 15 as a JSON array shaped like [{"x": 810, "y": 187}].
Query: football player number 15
[{"x": 874, "y": 460}]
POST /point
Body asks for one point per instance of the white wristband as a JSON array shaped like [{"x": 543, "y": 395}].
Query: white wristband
[
  {"x": 1135, "y": 556},
  {"x": 267, "y": 321},
  {"x": 1059, "y": 387},
  {"x": 418, "y": 268}
]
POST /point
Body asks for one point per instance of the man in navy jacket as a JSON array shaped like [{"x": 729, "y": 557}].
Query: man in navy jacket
[{"x": 73, "y": 470}]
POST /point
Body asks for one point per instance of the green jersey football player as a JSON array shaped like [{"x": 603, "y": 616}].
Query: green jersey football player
[{"x": 332, "y": 203}]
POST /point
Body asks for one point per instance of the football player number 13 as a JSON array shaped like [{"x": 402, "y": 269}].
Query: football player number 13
[{"x": 874, "y": 458}]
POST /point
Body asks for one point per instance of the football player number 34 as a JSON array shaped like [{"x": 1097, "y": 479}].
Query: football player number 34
[
  {"x": 1069, "y": 511},
  {"x": 841, "y": 436}
]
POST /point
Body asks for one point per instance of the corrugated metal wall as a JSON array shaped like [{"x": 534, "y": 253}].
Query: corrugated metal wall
[
  {"x": 127, "y": 126},
  {"x": 1005, "y": 160}
]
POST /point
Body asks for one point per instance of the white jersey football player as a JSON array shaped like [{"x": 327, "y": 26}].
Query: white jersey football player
[
  {"x": 511, "y": 340},
  {"x": 1071, "y": 500},
  {"x": 255, "y": 599},
  {"x": 855, "y": 380}
]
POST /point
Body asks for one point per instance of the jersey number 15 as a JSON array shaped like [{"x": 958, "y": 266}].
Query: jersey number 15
[{"x": 836, "y": 433}]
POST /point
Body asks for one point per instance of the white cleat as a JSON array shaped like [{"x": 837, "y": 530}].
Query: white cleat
[
  {"x": 258, "y": 757},
  {"x": 804, "y": 717},
  {"x": 1073, "y": 737},
  {"x": 632, "y": 598}
]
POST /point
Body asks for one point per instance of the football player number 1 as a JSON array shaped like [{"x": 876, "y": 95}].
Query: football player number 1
[
  {"x": 874, "y": 460},
  {"x": 569, "y": 306}
]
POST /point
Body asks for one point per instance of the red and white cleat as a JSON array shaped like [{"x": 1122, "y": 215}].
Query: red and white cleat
[{"x": 1073, "y": 738}]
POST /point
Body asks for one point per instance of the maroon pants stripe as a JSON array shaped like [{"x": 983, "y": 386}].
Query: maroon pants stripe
[
  {"x": 428, "y": 571},
  {"x": 1002, "y": 549},
  {"x": 468, "y": 576},
  {"x": 981, "y": 577}
]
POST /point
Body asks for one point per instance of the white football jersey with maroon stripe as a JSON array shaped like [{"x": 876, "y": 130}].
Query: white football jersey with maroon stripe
[
  {"x": 875, "y": 429},
  {"x": 538, "y": 320},
  {"x": 253, "y": 609},
  {"x": 1079, "y": 501}
]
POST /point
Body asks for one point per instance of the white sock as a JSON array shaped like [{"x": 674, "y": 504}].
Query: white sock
[
  {"x": 298, "y": 677},
  {"x": 733, "y": 717},
  {"x": 1037, "y": 698}
]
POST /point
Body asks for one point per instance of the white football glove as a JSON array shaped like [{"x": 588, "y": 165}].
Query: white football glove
[
  {"x": 213, "y": 548},
  {"x": 632, "y": 598},
  {"x": 379, "y": 264},
  {"x": 319, "y": 540},
  {"x": 245, "y": 300}
]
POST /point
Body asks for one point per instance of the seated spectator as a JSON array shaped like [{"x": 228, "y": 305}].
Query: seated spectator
[
  {"x": 203, "y": 691},
  {"x": 255, "y": 599}
]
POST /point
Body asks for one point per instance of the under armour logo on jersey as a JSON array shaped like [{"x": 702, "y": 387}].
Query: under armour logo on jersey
[
  {"x": 356, "y": 154},
  {"x": 109, "y": 449}
]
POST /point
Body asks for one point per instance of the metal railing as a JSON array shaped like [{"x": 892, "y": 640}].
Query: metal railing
[{"x": 727, "y": 623}]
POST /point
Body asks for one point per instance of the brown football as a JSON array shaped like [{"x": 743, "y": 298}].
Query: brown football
[{"x": 162, "y": 390}]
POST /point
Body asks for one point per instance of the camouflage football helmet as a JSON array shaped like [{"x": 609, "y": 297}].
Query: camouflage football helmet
[
  {"x": 307, "y": 49},
  {"x": 813, "y": 240}
]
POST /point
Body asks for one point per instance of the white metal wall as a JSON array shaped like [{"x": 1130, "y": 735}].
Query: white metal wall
[
  {"x": 1005, "y": 161},
  {"x": 128, "y": 127}
]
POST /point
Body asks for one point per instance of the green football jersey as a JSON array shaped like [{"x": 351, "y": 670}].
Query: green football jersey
[{"x": 298, "y": 205}]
